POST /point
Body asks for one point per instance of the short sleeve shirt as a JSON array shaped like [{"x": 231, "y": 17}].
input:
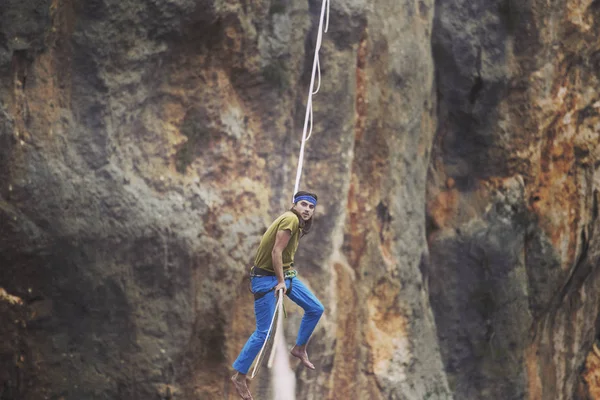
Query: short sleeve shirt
[{"x": 286, "y": 221}]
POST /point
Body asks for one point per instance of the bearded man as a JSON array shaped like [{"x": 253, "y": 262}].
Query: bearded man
[{"x": 274, "y": 270}]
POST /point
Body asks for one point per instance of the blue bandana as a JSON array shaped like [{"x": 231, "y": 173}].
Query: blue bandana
[{"x": 310, "y": 199}]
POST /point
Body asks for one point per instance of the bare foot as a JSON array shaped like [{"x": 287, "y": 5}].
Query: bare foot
[
  {"x": 241, "y": 386},
  {"x": 300, "y": 352}
]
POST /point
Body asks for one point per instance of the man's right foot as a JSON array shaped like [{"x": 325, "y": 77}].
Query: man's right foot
[
  {"x": 241, "y": 386},
  {"x": 300, "y": 352}
]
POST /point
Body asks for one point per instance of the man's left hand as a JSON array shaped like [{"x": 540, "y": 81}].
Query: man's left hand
[{"x": 280, "y": 285}]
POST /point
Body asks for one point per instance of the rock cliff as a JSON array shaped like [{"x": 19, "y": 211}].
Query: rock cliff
[
  {"x": 146, "y": 145},
  {"x": 513, "y": 196}
]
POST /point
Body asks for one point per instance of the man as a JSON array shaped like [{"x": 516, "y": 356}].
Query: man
[{"x": 273, "y": 270}]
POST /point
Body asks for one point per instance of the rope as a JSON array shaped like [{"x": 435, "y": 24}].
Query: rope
[
  {"x": 278, "y": 330},
  {"x": 316, "y": 70},
  {"x": 275, "y": 316}
]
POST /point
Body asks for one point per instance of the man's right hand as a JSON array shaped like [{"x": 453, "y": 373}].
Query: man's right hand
[{"x": 280, "y": 285}]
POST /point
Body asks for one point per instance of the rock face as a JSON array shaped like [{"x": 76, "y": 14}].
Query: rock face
[
  {"x": 145, "y": 147},
  {"x": 513, "y": 196}
]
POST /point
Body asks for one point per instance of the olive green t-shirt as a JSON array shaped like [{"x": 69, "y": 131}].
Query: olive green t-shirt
[{"x": 287, "y": 221}]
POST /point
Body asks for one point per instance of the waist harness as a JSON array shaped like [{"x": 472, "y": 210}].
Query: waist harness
[{"x": 258, "y": 272}]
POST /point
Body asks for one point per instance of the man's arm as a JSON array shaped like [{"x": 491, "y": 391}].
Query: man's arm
[{"x": 281, "y": 240}]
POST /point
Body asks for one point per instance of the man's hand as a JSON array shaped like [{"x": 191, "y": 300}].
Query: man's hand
[{"x": 280, "y": 285}]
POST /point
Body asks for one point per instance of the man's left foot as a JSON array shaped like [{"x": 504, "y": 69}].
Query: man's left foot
[
  {"x": 241, "y": 386},
  {"x": 300, "y": 352}
]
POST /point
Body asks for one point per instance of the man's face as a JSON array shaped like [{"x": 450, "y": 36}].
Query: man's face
[{"x": 305, "y": 209}]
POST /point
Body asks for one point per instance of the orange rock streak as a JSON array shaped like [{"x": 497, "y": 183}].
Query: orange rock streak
[{"x": 591, "y": 373}]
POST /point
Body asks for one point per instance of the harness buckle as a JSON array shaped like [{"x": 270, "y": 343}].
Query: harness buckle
[{"x": 290, "y": 274}]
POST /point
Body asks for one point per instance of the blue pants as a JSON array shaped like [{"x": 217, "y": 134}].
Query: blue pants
[{"x": 264, "y": 308}]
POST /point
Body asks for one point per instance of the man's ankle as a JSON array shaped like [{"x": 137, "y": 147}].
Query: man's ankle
[{"x": 238, "y": 376}]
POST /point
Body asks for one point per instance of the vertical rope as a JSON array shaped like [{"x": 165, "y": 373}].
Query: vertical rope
[
  {"x": 276, "y": 315},
  {"x": 308, "y": 116},
  {"x": 278, "y": 330}
]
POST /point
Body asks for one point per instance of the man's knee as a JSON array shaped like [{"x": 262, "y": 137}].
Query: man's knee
[{"x": 317, "y": 309}]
